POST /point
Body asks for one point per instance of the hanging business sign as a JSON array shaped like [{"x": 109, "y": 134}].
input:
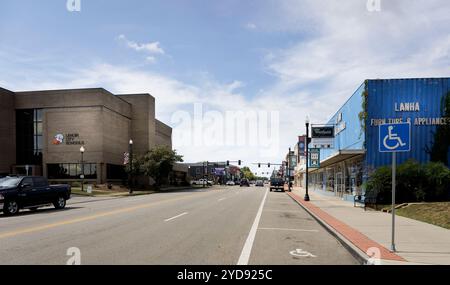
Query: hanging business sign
[
  {"x": 314, "y": 158},
  {"x": 322, "y": 137},
  {"x": 322, "y": 132}
]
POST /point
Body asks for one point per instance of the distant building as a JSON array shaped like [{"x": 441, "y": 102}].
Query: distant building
[{"x": 44, "y": 130}]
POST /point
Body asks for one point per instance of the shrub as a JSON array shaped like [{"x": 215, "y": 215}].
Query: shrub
[
  {"x": 438, "y": 178},
  {"x": 415, "y": 183}
]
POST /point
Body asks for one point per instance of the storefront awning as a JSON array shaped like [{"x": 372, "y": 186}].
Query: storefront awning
[{"x": 341, "y": 155}]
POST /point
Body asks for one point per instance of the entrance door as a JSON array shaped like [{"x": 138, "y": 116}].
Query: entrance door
[{"x": 339, "y": 184}]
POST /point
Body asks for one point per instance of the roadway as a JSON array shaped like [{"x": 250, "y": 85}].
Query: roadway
[{"x": 218, "y": 225}]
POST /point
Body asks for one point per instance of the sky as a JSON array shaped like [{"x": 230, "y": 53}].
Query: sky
[{"x": 274, "y": 61}]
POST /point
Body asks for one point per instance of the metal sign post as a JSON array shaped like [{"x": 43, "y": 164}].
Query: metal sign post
[
  {"x": 394, "y": 162},
  {"x": 394, "y": 138}
]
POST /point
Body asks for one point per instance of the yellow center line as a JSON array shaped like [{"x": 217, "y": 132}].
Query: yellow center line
[{"x": 89, "y": 218}]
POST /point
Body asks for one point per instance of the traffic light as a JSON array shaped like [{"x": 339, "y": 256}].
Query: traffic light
[
  {"x": 228, "y": 163},
  {"x": 259, "y": 165},
  {"x": 239, "y": 162},
  {"x": 268, "y": 165}
]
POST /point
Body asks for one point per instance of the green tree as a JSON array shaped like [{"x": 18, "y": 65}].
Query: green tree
[
  {"x": 248, "y": 174},
  {"x": 158, "y": 163}
]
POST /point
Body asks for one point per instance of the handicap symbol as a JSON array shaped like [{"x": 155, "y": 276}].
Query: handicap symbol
[{"x": 391, "y": 137}]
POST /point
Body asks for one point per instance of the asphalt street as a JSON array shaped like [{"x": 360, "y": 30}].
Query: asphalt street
[{"x": 218, "y": 225}]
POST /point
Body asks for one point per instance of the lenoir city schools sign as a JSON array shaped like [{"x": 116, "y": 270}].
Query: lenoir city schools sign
[
  {"x": 419, "y": 121},
  {"x": 68, "y": 139}
]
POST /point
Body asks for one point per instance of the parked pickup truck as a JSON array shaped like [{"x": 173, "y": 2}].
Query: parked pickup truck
[
  {"x": 30, "y": 192},
  {"x": 276, "y": 184}
]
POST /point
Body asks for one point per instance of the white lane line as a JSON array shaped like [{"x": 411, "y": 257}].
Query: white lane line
[
  {"x": 297, "y": 230},
  {"x": 180, "y": 215},
  {"x": 247, "y": 249},
  {"x": 221, "y": 199}
]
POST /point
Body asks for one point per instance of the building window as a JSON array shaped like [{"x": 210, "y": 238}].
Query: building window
[
  {"x": 29, "y": 136},
  {"x": 71, "y": 171}
]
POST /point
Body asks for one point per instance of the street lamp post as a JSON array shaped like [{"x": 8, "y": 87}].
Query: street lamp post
[
  {"x": 289, "y": 170},
  {"x": 82, "y": 168},
  {"x": 306, "y": 153},
  {"x": 130, "y": 161}
]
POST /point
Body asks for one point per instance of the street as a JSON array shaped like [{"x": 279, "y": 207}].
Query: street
[{"x": 218, "y": 225}]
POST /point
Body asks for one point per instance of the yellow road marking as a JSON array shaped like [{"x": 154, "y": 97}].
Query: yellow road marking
[{"x": 88, "y": 218}]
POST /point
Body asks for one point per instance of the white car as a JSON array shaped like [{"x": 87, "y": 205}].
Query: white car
[
  {"x": 230, "y": 183},
  {"x": 202, "y": 181}
]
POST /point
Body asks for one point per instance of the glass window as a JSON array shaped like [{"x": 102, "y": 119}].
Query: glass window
[
  {"x": 38, "y": 129},
  {"x": 39, "y": 182},
  {"x": 72, "y": 170},
  {"x": 38, "y": 145},
  {"x": 38, "y": 115},
  {"x": 27, "y": 180}
]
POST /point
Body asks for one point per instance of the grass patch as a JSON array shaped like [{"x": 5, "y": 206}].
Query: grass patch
[{"x": 433, "y": 213}]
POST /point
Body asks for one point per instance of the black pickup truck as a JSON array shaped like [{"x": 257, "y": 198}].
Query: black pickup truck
[
  {"x": 30, "y": 192},
  {"x": 276, "y": 184}
]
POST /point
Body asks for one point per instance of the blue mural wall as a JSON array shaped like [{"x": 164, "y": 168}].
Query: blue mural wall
[{"x": 419, "y": 101}]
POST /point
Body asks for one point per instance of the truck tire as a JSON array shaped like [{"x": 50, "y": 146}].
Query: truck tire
[
  {"x": 11, "y": 208},
  {"x": 60, "y": 203}
]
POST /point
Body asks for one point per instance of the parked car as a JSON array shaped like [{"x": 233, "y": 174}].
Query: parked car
[
  {"x": 31, "y": 192},
  {"x": 202, "y": 181},
  {"x": 276, "y": 184},
  {"x": 230, "y": 183},
  {"x": 244, "y": 182},
  {"x": 259, "y": 183}
]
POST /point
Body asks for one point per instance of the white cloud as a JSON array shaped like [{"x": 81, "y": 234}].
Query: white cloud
[
  {"x": 335, "y": 46},
  {"x": 251, "y": 26},
  {"x": 152, "y": 47}
]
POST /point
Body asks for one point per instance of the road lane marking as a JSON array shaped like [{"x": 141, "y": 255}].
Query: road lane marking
[
  {"x": 301, "y": 253},
  {"x": 177, "y": 216},
  {"x": 247, "y": 249},
  {"x": 91, "y": 217},
  {"x": 282, "y": 229},
  {"x": 221, "y": 199},
  {"x": 293, "y": 211}
]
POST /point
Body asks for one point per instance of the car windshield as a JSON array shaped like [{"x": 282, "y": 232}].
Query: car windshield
[{"x": 9, "y": 182}]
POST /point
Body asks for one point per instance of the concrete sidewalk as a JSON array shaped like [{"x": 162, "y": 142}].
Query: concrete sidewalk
[{"x": 416, "y": 242}]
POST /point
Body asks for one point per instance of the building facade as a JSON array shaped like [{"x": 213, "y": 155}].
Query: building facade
[
  {"x": 218, "y": 172},
  {"x": 424, "y": 102},
  {"x": 44, "y": 130}
]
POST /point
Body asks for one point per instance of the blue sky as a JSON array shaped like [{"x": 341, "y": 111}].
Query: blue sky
[{"x": 295, "y": 57}]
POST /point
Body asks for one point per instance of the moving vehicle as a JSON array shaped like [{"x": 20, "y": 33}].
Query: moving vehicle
[
  {"x": 244, "y": 182},
  {"x": 230, "y": 183},
  {"x": 259, "y": 183},
  {"x": 202, "y": 181},
  {"x": 276, "y": 184},
  {"x": 31, "y": 192}
]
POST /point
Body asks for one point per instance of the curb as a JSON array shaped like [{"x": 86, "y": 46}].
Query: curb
[{"x": 361, "y": 257}]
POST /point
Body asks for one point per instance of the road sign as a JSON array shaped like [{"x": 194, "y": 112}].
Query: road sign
[
  {"x": 314, "y": 158},
  {"x": 395, "y": 137}
]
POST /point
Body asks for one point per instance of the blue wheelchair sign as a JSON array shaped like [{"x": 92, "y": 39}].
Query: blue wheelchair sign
[{"x": 395, "y": 137}]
